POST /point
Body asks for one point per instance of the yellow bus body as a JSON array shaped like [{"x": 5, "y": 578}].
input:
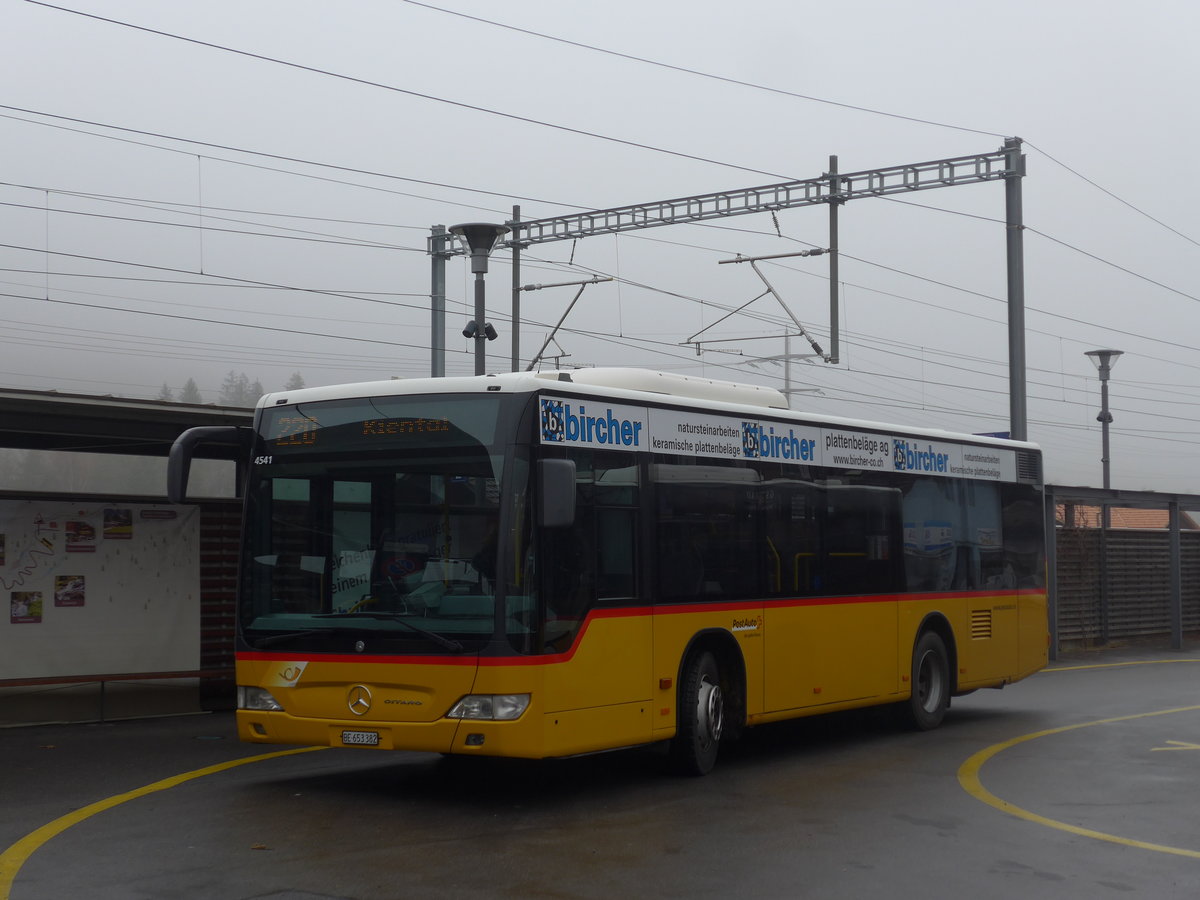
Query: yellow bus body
[{"x": 617, "y": 685}]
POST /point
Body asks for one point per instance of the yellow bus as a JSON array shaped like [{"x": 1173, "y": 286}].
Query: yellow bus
[{"x": 549, "y": 564}]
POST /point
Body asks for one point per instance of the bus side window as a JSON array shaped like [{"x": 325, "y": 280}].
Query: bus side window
[
  {"x": 680, "y": 563},
  {"x": 1024, "y": 548},
  {"x": 863, "y": 539},
  {"x": 615, "y": 556},
  {"x": 710, "y": 545},
  {"x": 596, "y": 558},
  {"x": 791, "y": 542}
]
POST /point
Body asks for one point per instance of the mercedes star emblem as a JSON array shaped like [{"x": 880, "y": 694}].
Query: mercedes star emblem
[{"x": 358, "y": 698}]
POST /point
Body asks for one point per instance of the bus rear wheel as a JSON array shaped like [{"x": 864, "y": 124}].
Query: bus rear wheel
[
  {"x": 701, "y": 717},
  {"x": 930, "y": 697}
]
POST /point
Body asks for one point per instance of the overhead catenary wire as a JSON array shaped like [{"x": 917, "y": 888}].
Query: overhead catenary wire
[
  {"x": 800, "y": 96},
  {"x": 848, "y": 256},
  {"x": 366, "y": 82},
  {"x": 276, "y": 156},
  {"x": 697, "y": 72},
  {"x": 194, "y": 226},
  {"x": 1047, "y": 313},
  {"x": 1124, "y": 332},
  {"x": 658, "y": 63},
  {"x": 844, "y": 255}
]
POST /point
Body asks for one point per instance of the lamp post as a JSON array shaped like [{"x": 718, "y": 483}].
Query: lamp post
[
  {"x": 1104, "y": 361},
  {"x": 479, "y": 238}
]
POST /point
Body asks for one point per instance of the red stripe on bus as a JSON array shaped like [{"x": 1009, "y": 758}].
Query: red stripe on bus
[{"x": 629, "y": 612}]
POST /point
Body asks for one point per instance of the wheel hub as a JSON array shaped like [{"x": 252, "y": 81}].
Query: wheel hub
[
  {"x": 711, "y": 710},
  {"x": 929, "y": 683}
]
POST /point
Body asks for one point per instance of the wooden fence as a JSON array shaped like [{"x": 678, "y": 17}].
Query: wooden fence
[{"x": 1137, "y": 601}]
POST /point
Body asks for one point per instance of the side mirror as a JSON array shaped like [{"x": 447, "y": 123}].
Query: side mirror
[
  {"x": 556, "y": 493},
  {"x": 179, "y": 462}
]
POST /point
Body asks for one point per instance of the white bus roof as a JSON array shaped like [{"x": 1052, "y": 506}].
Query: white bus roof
[{"x": 630, "y": 385}]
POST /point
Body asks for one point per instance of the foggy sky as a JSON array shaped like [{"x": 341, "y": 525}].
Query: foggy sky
[{"x": 190, "y": 261}]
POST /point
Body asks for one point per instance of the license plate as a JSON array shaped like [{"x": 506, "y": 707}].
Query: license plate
[{"x": 361, "y": 738}]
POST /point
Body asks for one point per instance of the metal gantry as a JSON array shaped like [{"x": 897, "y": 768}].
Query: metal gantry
[{"x": 833, "y": 188}]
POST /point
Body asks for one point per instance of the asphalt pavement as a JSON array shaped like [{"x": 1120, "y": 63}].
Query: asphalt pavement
[{"x": 1078, "y": 782}]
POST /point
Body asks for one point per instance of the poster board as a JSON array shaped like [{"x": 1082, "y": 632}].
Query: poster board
[{"x": 98, "y": 588}]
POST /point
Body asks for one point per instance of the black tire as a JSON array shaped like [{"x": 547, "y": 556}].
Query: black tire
[
  {"x": 701, "y": 717},
  {"x": 930, "y": 697}
]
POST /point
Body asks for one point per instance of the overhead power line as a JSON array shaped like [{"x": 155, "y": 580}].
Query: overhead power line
[
  {"x": 376, "y": 245},
  {"x": 263, "y": 286},
  {"x": 399, "y": 90},
  {"x": 1123, "y": 331},
  {"x": 201, "y": 320},
  {"x": 1122, "y": 201},
  {"x": 796, "y": 95},
  {"x": 865, "y": 261},
  {"x": 277, "y": 156},
  {"x": 697, "y": 72},
  {"x": 1109, "y": 262}
]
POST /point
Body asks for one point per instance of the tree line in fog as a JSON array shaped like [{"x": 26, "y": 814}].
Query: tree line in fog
[{"x": 236, "y": 390}]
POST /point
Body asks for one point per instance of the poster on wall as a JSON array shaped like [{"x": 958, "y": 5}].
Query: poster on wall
[
  {"x": 118, "y": 524},
  {"x": 26, "y": 607},
  {"x": 68, "y": 590},
  {"x": 81, "y": 537},
  {"x": 98, "y": 589}
]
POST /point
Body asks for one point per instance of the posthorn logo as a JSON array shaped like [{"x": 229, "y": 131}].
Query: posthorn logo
[
  {"x": 554, "y": 427},
  {"x": 750, "y": 440}
]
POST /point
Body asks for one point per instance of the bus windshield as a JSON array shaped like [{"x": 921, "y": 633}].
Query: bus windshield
[{"x": 372, "y": 525}]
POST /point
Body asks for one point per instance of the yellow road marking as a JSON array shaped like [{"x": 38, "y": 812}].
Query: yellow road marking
[
  {"x": 1178, "y": 745},
  {"x": 968, "y": 777},
  {"x": 1117, "y": 665},
  {"x": 16, "y": 856}
]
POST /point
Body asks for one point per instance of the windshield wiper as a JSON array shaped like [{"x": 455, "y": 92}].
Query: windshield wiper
[
  {"x": 289, "y": 635},
  {"x": 445, "y": 642}
]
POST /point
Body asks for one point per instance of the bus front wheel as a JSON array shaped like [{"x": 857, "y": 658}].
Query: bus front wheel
[
  {"x": 930, "y": 683},
  {"x": 701, "y": 717}
]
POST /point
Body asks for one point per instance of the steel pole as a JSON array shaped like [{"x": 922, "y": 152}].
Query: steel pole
[
  {"x": 1051, "y": 526},
  {"x": 480, "y": 318},
  {"x": 834, "y": 203},
  {"x": 1105, "y": 509},
  {"x": 1014, "y": 234},
  {"x": 1105, "y": 418},
  {"x": 437, "y": 301},
  {"x": 516, "y": 289},
  {"x": 1175, "y": 598}
]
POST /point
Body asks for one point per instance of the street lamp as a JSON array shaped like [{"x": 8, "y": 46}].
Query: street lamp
[
  {"x": 479, "y": 238},
  {"x": 1104, "y": 361}
]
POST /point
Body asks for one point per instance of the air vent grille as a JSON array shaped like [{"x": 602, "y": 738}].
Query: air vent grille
[
  {"x": 1029, "y": 467},
  {"x": 981, "y": 624}
]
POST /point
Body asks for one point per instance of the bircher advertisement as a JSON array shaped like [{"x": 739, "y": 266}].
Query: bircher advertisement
[{"x": 595, "y": 423}]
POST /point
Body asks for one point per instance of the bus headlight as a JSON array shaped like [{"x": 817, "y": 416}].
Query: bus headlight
[
  {"x": 257, "y": 698},
  {"x": 489, "y": 706}
]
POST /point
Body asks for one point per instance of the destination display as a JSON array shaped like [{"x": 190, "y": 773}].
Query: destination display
[
  {"x": 591, "y": 423},
  {"x": 381, "y": 425}
]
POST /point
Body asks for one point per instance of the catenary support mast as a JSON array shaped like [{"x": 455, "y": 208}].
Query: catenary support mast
[{"x": 1006, "y": 164}]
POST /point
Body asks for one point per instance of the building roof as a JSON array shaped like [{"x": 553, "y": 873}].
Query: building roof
[
  {"x": 1122, "y": 517},
  {"x": 49, "y": 420}
]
